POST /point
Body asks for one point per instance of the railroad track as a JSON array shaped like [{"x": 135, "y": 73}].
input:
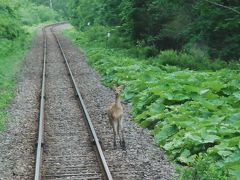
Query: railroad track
[{"x": 68, "y": 146}]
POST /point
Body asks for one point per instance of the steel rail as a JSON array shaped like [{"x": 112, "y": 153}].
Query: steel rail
[
  {"x": 41, "y": 113},
  {"x": 40, "y": 141},
  {"x": 87, "y": 117}
]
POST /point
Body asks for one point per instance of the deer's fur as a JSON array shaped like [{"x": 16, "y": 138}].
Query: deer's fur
[{"x": 115, "y": 113}]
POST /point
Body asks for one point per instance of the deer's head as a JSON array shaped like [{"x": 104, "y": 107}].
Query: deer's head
[{"x": 117, "y": 90}]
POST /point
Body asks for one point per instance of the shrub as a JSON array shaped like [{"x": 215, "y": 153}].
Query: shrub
[
  {"x": 193, "y": 59},
  {"x": 33, "y": 14},
  {"x": 9, "y": 26},
  {"x": 203, "y": 168}
]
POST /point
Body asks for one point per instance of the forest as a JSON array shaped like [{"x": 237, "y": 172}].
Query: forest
[{"x": 178, "y": 60}]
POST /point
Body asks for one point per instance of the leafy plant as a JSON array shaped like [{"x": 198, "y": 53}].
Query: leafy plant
[
  {"x": 190, "y": 113},
  {"x": 202, "y": 169}
]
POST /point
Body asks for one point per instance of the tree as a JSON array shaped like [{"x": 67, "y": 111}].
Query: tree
[{"x": 210, "y": 25}]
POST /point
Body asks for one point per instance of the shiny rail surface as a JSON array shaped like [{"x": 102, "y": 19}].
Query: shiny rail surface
[
  {"x": 40, "y": 142},
  {"x": 41, "y": 113}
]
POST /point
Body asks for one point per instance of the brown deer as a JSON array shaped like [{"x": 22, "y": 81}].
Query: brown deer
[{"x": 115, "y": 113}]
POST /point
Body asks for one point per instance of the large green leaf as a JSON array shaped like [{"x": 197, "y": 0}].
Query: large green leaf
[
  {"x": 214, "y": 85},
  {"x": 165, "y": 132}
]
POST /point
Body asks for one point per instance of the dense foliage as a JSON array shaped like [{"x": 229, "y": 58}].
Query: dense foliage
[
  {"x": 164, "y": 24},
  {"x": 16, "y": 21},
  {"x": 194, "y": 115},
  {"x": 9, "y": 26},
  {"x": 14, "y": 14},
  {"x": 32, "y": 14},
  {"x": 58, "y": 5}
]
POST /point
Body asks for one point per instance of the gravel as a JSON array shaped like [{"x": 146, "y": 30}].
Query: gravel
[
  {"x": 142, "y": 158},
  {"x": 68, "y": 151}
]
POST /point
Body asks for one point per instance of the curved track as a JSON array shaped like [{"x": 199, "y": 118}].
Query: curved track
[{"x": 68, "y": 147}]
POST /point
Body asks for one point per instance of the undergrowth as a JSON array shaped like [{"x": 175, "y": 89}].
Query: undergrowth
[
  {"x": 18, "y": 20},
  {"x": 193, "y": 59},
  {"x": 193, "y": 115},
  {"x": 10, "y": 60}
]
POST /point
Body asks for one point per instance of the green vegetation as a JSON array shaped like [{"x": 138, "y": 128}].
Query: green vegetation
[
  {"x": 59, "y": 6},
  {"x": 194, "y": 115},
  {"x": 179, "y": 62},
  {"x": 39, "y": 14},
  {"x": 17, "y": 20},
  {"x": 9, "y": 66},
  {"x": 164, "y": 24}
]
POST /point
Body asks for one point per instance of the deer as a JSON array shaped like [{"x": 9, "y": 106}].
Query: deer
[{"x": 115, "y": 114}]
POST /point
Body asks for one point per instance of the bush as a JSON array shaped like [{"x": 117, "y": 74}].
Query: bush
[
  {"x": 193, "y": 59},
  {"x": 202, "y": 169},
  {"x": 98, "y": 35},
  {"x": 32, "y": 14},
  {"x": 9, "y": 26}
]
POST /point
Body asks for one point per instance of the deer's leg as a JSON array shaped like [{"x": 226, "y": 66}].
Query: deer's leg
[
  {"x": 118, "y": 131},
  {"x": 114, "y": 134},
  {"x": 123, "y": 145}
]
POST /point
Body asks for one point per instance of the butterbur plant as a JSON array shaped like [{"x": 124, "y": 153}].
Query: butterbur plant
[
  {"x": 203, "y": 168},
  {"x": 188, "y": 112}
]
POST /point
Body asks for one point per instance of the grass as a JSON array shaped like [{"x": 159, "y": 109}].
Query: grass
[{"x": 11, "y": 56}]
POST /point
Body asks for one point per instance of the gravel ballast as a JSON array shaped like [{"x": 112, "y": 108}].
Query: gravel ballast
[
  {"x": 68, "y": 150},
  {"x": 142, "y": 158}
]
